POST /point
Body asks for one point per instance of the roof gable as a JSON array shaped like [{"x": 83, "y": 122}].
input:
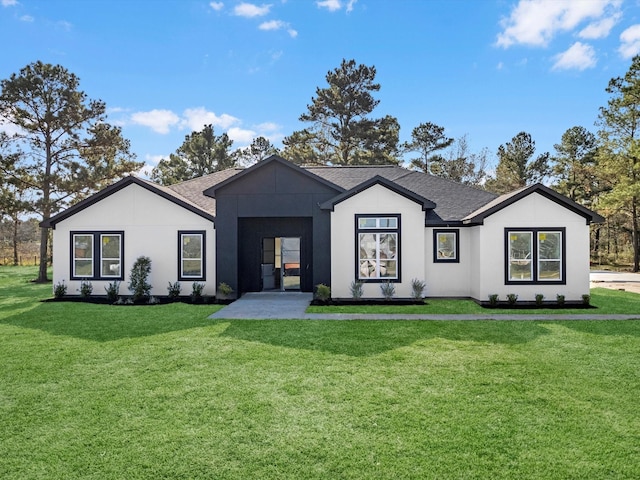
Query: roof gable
[
  {"x": 378, "y": 180},
  {"x": 121, "y": 184},
  {"x": 503, "y": 201},
  {"x": 270, "y": 162}
]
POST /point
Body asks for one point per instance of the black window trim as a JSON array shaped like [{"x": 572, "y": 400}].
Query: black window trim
[
  {"x": 534, "y": 258},
  {"x": 202, "y": 277},
  {"x": 97, "y": 254},
  {"x": 397, "y": 230},
  {"x": 438, "y": 231}
]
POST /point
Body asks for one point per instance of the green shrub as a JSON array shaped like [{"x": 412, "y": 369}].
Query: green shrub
[
  {"x": 586, "y": 299},
  {"x": 113, "y": 291},
  {"x": 86, "y": 288},
  {"x": 174, "y": 290},
  {"x": 417, "y": 289},
  {"x": 560, "y": 299},
  {"x": 224, "y": 289},
  {"x": 356, "y": 289},
  {"x": 539, "y": 299},
  {"x": 139, "y": 286},
  {"x": 323, "y": 292},
  {"x": 512, "y": 298},
  {"x": 196, "y": 292},
  {"x": 388, "y": 290},
  {"x": 60, "y": 289},
  {"x": 493, "y": 299}
]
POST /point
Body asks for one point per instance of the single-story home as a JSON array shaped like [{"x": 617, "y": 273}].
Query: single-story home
[{"x": 276, "y": 225}]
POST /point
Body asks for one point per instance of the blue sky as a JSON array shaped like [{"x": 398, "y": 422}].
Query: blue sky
[{"x": 487, "y": 69}]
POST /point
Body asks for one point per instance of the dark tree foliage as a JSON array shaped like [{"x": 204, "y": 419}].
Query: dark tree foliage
[
  {"x": 574, "y": 165},
  {"x": 619, "y": 153},
  {"x": 342, "y": 132},
  {"x": 427, "y": 139},
  {"x": 517, "y": 166},
  {"x": 260, "y": 149},
  {"x": 63, "y": 149},
  {"x": 460, "y": 165},
  {"x": 200, "y": 154}
]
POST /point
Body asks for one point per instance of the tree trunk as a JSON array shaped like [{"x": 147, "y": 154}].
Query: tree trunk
[
  {"x": 15, "y": 241},
  {"x": 44, "y": 255},
  {"x": 634, "y": 236}
]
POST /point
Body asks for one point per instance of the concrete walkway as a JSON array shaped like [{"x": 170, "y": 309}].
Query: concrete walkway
[{"x": 292, "y": 305}]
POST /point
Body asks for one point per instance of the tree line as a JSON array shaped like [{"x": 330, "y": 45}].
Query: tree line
[{"x": 63, "y": 149}]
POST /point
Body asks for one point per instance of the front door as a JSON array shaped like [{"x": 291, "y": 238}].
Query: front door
[{"x": 281, "y": 263}]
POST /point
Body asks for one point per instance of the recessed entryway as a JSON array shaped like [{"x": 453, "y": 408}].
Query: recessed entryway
[{"x": 280, "y": 263}]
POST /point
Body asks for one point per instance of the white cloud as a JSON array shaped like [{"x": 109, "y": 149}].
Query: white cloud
[
  {"x": 630, "y": 42},
  {"x": 350, "y": 5},
  {"x": 331, "y": 5},
  {"x": 159, "y": 121},
  {"x": 536, "y": 22},
  {"x": 197, "y": 118},
  {"x": 217, "y": 6},
  {"x": 250, "y": 10},
  {"x": 601, "y": 28},
  {"x": 268, "y": 127},
  {"x": 278, "y": 25},
  {"x": 241, "y": 136},
  {"x": 8, "y": 3},
  {"x": 26, "y": 18},
  {"x": 579, "y": 56}
]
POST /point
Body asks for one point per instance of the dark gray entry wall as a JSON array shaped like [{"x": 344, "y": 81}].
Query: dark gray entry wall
[{"x": 284, "y": 196}]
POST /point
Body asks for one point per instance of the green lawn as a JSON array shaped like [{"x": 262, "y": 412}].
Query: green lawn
[
  {"x": 606, "y": 302},
  {"x": 160, "y": 392}
]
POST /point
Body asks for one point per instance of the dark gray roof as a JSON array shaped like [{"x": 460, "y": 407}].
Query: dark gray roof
[
  {"x": 194, "y": 189},
  {"x": 453, "y": 200}
]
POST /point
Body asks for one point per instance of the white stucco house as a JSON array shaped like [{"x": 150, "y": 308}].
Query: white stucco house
[{"x": 276, "y": 225}]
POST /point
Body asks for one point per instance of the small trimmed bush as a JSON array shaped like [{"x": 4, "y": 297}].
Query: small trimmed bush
[
  {"x": 113, "y": 291},
  {"x": 512, "y": 298},
  {"x": 417, "y": 289},
  {"x": 323, "y": 292},
  {"x": 586, "y": 299},
  {"x": 560, "y": 299},
  {"x": 388, "y": 290},
  {"x": 196, "y": 292},
  {"x": 60, "y": 289},
  {"x": 356, "y": 289},
  {"x": 86, "y": 288},
  {"x": 174, "y": 290},
  {"x": 493, "y": 299},
  {"x": 539, "y": 299},
  {"x": 224, "y": 289}
]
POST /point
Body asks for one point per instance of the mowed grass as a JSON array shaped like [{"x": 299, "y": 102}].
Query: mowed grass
[
  {"x": 161, "y": 392},
  {"x": 605, "y": 301}
]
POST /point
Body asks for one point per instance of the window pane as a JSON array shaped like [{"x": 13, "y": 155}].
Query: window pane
[
  {"x": 387, "y": 245},
  {"x": 191, "y": 268},
  {"x": 446, "y": 246},
  {"x": 549, "y": 245},
  {"x": 367, "y": 269},
  {"x": 367, "y": 246},
  {"x": 83, "y": 268},
  {"x": 520, "y": 266},
  {"x": 388, "y": 222},
  {"x": 192, "y": 246},
  {"x": 83, "y": 246},
  {"x": 110, "y": 246},
  {"x": 549, "y": 270},
  {"x": 388, "y": 269},
  {"x": 110, "y": 268},
  {"x": 367, "y": 222}
]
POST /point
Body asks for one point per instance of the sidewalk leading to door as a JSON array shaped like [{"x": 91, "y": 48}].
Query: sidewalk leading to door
[{"x": 269, "y": 305}]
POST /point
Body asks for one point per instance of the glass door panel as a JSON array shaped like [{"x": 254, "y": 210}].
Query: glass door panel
[{"x": 290, "y": 271}]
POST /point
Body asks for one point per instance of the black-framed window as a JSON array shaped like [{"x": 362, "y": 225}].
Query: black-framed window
[
  {"x": 535, "y": 256},
  {"x": 97, "y": 255},
  {"x": 446, "y": 246},
  {"x": 191, "y": 255},
  {"x": 378, "y": 248}
]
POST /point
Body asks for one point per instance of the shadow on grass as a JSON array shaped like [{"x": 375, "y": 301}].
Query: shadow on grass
[
  {"x": 607, "y": 327},
  {"x": 363, "y": 337},
  {"x": 104, "y": 323}
]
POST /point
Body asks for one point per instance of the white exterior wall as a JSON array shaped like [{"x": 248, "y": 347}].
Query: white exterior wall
[
  {"x": 376, "y": 200},
  {"x": 533, "y": 211},
  {"x": 448, "y": 279},
  {"x": 150, "y": 224}
]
